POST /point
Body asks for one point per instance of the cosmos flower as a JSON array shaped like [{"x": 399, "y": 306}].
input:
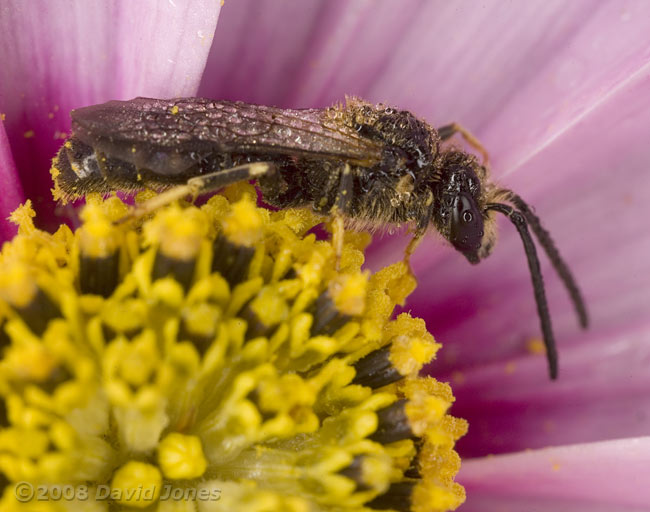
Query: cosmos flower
[{"x": 557, "y": 92}]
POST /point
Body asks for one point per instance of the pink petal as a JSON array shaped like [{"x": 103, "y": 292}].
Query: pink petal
[
  {"x": 602, "y": 393},
  {"x": 307, "y": 64},
  {"x": 12, "y": 193},
  {"x": 599, "y": 477},
  {"x": 59, "y": 55}
]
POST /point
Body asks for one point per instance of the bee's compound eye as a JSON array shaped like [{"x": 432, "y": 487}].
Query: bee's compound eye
[{"x": 466, "y": 229}]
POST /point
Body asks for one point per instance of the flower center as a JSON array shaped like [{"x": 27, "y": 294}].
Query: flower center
[{"x": 214, "y": 354}]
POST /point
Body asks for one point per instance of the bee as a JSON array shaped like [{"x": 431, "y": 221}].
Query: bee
[{"x": 366, "y": 165}]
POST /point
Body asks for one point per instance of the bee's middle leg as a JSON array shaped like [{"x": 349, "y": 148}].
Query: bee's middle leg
[
  {"x": 410, "y": 249},
  {"x": 200, "y": 185},
  {"x": 343, "y": 196}
]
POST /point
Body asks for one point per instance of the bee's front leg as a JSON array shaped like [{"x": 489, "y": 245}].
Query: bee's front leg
[{"x": 447, "y": 131}]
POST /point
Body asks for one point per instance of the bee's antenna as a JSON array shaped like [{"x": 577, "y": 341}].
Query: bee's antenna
[
  {"x": 554, "y": 255},
  {"x": 519, "y": 220}
]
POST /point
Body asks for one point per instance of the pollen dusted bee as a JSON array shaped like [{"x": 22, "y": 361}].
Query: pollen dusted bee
[{"x": 368, "y": 165}]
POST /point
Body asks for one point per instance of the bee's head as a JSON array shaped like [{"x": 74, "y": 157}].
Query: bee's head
[{"x": 459, "y": 212}]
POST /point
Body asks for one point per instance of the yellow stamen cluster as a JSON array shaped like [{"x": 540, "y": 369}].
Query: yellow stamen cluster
[{"x": 212, "y": 358}]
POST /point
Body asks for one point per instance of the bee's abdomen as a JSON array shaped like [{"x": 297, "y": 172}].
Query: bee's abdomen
[
  {"x": 79, "y": 169},
  {"x": 76, "y": 170}
]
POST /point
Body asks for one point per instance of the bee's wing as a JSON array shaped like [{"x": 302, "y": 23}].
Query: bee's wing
[{"x": 143, "y": 130}]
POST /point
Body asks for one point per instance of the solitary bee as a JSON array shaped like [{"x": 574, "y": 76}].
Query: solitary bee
[{"x": 369, "y": 165}]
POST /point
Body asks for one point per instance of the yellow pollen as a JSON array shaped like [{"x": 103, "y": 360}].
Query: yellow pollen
[
  {"x": 536, "y": 346},
  {"x": 243, "y": 223}
]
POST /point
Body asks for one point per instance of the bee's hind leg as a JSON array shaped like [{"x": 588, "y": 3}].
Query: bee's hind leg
[
  {"x": 200, "y": 185},
  {"x": 447, "y": 131}
]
